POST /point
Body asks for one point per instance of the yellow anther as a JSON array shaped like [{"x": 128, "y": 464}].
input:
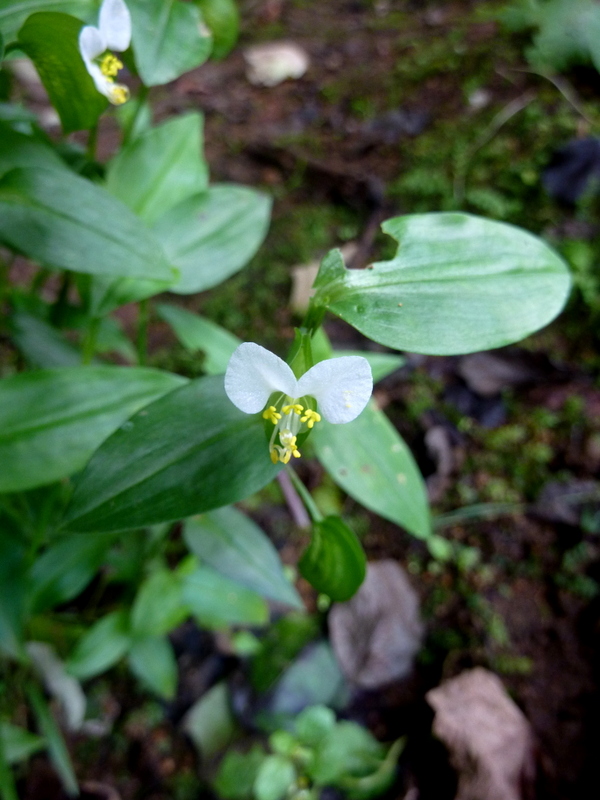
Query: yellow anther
[
  {"x": 110, "y": 65},
  {"x": 271, "y": 414},
  {"x": 310, "y": 417},
  {"x": 274, "y": 455},
  {"x": 118, "y": 94},
  {"x": 295, "y": 407}
]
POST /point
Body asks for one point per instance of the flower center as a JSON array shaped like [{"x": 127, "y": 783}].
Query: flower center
[
  {"x": 110, "y": 66},
  {"x": 289, "y": 419}
]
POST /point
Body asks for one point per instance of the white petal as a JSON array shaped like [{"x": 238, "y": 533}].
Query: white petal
[
  {"x": 341, "y": 387},
  {"x": 103, "y": 84},
  {"x": 115, "y": 24},
  {"x": 253, "y": 374},
  {"x": 91, "y": 44}
]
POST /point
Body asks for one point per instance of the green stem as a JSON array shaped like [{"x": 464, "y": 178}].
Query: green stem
[
  {"x": 313, "y": 318},
  {"x": 142, "y": 331},
  {"x": 305, "y": 496},
  {"x": 129, "y": 128},
  {"x": 89, "y": 341},
  {"x": 92, "y": 142}
]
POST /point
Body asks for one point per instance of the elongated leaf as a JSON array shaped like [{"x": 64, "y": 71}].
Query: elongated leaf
[
  {"x": 65, "y": 569},
  {"x": 105, "y": 643},
  {"x": 370, "y": 461},
  {"x": 20, "y": 150},
  {"x": 51, "y": 421},
  {"x": 382, "y": 364},
  {"x": 233, "y": 545},
  {"x": 218, "y": 602},
  {"x": 158, "y": 606},
  {"x": 13, "y": 590},
  {"x": 197, "y": 333},
  {"x": 190, "y": 452},
  {"x": 64, "y": 221},
  {"x": 57, "y": 748},
  {"x": 40, "y": 343},
  {"x": 334, "y": 562},
  {"x": 458, "y": 284},
  {"x": 13, "y": 15},
  {"x": 168, "y": 39},
  {"x": 211, "y": 236},
  {"x": 161, "y": 168},
  {"x": 108, "y": 293},
  {"x": 210, "y": 723},
  {"x": 152, "y": 660},
  {"x": 51, "y": 40},
  {"x": 8, "y": 788},
  {"x": 18, "y": 744}
]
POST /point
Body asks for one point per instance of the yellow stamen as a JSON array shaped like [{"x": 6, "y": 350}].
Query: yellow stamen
[
  {"x": 119, "y": 95},
  {"x": 274, "y": 455},
  {"x": 295, "y": 407},
  {"x": 110, "y": 65},
  {"x": 310, "y": 417},
  {"x": 271, "y": 414}
]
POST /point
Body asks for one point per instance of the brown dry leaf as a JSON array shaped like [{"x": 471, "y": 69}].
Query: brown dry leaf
[
  {"x": 376, "y": 634},
  {"x": 489, "y": 738}
]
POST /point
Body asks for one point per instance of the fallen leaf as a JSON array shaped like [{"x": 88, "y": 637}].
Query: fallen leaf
[
  {"x": 376, "y": 634},
  {"x": 488, "y": 736}
]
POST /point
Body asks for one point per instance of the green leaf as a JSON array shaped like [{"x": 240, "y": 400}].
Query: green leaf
[
  {"x": 51, "y": 421},
  {"x": 161, "y": 168},
  {"x": 17, "y": 743},
  {"x": 51, "y": 40},
  {"x": 13, "y": 15},
  {"x": 152, "y": 661},
  {"x": 210, "y": 723},
  {"x": 237, "y": 773},
  {"x": 41, "y": 343},
  {"x": 334, "y": 562},
  {"x": 218, "y": 602},
  {"x": 223, "y": 19},
  {"x": 458, "y": 284},
  {"x": 65, "y": 569},
  {"x": 274, "y": 779},
  {"x": 196, "y": 333},
  {"x": 211, "y": 236},
  {"x": 236, "y": 547},
  {"x": 168, "y": 39},
  {"x": 65, "y": 221},
  {"x": 105, "y": 643},
  {"x": 371, "y": 462},
  {"x": 158, "y": 606},
  {"x": 59, "y": 755},
  {"x": 313, "y": 724},
  {"x": 348, "y": 749},
  {"x": 13, "y": 590},
  {"x": 191, "y": 451},
  {"x": 19, "y": 150},
  {"x": 314, "y": 678},
  {"x": 108, "y": 293}
]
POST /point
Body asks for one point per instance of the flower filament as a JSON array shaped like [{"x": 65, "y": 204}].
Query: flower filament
[{"x": 292, "y": 418}]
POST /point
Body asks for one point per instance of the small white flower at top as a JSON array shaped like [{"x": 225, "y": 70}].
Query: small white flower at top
[
  {"x": 341, "y": 388},
  {"x": 113, "y": 33}
]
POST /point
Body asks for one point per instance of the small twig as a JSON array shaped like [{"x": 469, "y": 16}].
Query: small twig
[
  {"x": 501, "y": 118},
  {"x": 563, "y": 86}
]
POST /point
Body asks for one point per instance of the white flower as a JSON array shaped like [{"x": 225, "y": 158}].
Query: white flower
[
  {"x": 113, "y": 33},
  {"x": 341, "y": 387}
]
